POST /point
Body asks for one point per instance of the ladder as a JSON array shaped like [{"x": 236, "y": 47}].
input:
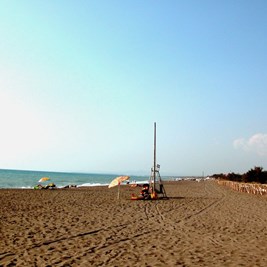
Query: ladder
[{"x": 155, "y": 183}]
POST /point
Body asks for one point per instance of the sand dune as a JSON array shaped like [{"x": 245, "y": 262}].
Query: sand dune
[{"x": 201, "y": 224}]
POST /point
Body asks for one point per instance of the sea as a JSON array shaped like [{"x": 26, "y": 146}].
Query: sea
[{"x": 29, "y": 179}]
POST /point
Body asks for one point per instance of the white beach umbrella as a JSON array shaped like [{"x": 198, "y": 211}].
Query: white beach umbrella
[
  {"x": 117, "y": 181},
  {"x": 44, "y": 179}
]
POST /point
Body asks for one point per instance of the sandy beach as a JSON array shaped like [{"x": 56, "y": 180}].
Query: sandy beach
[{"x": 201, "y": 224}]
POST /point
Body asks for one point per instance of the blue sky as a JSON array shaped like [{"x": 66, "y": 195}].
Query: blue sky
[{"x": 82, "y": 83}]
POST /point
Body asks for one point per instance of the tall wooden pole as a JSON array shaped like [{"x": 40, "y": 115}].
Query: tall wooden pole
[{"x": 154, "y": 171}]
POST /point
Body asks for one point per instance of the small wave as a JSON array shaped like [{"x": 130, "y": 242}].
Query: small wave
[
  {"x": 140, "y": 182},
  {"x": 91, "y": 184}
]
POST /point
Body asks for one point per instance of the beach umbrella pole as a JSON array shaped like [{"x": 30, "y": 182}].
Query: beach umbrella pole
[{"x": 119, "y": 190}]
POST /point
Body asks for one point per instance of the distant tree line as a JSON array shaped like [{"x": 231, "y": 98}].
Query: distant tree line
[{"x": 256, "y": 175}]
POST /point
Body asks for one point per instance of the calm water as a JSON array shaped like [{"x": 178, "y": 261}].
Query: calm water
[{"x": 28, "y": 179}]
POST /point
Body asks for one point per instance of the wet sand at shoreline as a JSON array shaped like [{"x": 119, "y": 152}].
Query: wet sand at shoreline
[{"x": 201, "y": 224}]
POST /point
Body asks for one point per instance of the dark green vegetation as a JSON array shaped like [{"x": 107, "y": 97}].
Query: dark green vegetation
[{"x": 256, "y": 175}]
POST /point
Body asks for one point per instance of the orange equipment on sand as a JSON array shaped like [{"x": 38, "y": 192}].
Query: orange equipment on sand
[{"x": 145, "y": 194}]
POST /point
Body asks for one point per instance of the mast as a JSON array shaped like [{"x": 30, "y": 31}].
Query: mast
[
  {"x": 154, "y": 169},
  {"x": 155, "y": 183}
]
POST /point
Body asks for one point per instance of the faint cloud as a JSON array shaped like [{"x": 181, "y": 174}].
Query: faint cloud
[{"x": 256, "y": 143}]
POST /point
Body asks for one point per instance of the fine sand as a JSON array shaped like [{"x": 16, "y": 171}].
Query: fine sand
[{"x": 201, "y": 224}]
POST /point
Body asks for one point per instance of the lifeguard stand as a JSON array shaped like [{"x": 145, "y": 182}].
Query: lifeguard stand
[{"x": 155, "y": 182}]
